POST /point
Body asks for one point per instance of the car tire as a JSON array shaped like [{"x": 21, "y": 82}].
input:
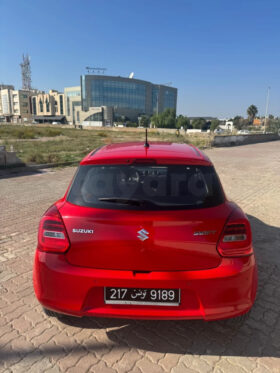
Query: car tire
[{"x": 51, "y": 313}]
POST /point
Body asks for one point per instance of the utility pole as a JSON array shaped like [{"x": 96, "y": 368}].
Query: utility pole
[{"x": 266, "y": 108}]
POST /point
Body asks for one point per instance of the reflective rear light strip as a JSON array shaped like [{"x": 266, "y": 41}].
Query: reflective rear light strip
[
  {"x": 234, "y": 237},
  {"x": 52, "y": 234}
]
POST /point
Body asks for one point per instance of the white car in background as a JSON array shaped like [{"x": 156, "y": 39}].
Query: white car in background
[
  {"x": 219, "y": 131},
  {"x": 243, "y": 132}
]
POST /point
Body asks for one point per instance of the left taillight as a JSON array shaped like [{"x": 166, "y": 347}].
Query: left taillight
[{"x": 52, "y": 235}]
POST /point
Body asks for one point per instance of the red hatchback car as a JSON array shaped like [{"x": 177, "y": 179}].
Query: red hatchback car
[{"x": 145, "y": 231}]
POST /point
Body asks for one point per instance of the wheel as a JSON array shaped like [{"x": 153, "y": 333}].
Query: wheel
[{"x": 51, "y": 313}]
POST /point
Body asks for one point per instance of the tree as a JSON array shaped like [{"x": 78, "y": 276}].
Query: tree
[
  {"x": 274, "y": 125},
  {"x": 214, "y": 124},
  {"x": 252, "y": 111},
  {"x": 167, "y": 119},
  {"x": 182, "y": 121},
  {"x": 240, "y": 123},
  {"x": 199, "y": 123},
  {"x": 237, "y": 122},
  {"x": 155, "y": 121},
  {"x": 144, "y": 121}
]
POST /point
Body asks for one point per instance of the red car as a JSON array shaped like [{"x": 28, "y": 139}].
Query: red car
[{"x": 145, "y": 231}]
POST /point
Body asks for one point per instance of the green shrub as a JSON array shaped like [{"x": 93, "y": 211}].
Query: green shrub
[
  {"x": 24, "y": 133},
  {"x": 52, "y": 132},
  {"x": 52, "y": 158},
  {"x": 39, "y": 158},
  {"x": 132, "y": 124},
  {"x": 36, "y": 158},
  {"x": 102, "y": 134}
]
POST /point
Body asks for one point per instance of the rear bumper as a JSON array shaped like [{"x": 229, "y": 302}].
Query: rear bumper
[{"x": 226, "y": 291}]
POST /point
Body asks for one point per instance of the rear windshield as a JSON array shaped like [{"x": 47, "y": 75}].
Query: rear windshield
[{"x": 146, "y": 187}]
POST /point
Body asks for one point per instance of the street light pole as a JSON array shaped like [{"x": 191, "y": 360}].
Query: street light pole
[{"x": 266, "y": 109}]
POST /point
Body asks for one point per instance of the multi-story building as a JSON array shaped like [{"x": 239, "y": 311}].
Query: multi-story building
[
  {"x": 6, "y": 86},
  {"x": 127, "y": 97},
  {"x": 97, "y": 116},
  {"x": 15, "y": 105},
  {"x": 72, "y": 99},
  {"x": 48, "y": 107}
]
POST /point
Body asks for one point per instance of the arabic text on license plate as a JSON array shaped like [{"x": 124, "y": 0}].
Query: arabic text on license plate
[{"x": 161, "y": 297}]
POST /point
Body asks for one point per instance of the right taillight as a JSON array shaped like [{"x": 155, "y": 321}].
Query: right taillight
[
  {"x": 234, "y": 233},
  {"x": 52, "y": 235},
  {"x": 236, "y": 239}
]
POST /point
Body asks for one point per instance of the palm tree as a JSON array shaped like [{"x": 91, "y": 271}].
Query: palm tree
[{"x": 252, "y": 112}]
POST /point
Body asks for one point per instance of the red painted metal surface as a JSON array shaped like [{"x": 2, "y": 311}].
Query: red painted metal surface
[{"x": 216, "y": 272}]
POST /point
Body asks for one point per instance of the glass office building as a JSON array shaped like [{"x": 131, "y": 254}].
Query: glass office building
[{"x": 128, "y": 97}]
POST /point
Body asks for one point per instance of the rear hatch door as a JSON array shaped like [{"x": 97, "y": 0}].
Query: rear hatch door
[{"x": 144, "y": 240}]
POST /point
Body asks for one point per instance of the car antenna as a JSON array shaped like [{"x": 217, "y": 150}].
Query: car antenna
[{"x": 146, "y": 141}]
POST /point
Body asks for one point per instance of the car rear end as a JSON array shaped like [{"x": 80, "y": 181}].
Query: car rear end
[{"x": 146, "y": 239}]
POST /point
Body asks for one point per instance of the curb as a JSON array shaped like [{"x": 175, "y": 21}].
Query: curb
[{"x": 38, "y": 166}]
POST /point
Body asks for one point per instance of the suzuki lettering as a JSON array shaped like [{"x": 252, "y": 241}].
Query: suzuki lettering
[{"x": 80, "y": 230}]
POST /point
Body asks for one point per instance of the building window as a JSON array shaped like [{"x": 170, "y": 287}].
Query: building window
[
  {"x": 73, "y": 93},
  {"x": 155, "y": 102},
  {"x": 169, "y": 99},
  {"x": 47, "y": 106},
  {"x": 97, "y": 117},
  {"x": 5, "y": 104},
  {"x": 34, "y": 110},
  {"x": 119, "y": 94},
  {"x": 41, "y": 105},
  {"x": 83, "y": 91},
  {"x": 61, "y": 104},
  {"x": 74, "y": 104},
  {"x": 78, "y": 116},
  {"x": 68, "y": 106}
]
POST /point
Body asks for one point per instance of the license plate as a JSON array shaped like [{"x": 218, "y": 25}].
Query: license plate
[{"x": 153, "y": 297}]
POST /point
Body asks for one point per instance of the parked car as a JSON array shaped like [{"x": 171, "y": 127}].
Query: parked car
[
  {"x": 145, "y": 231},
  {"x": 55, "y": 123},
  {"x": 219, "y": 131},
  {"x": 243, "y": 132}
]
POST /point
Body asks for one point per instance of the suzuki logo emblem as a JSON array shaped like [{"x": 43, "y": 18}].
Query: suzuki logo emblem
[{"x": 143, "y": 235}]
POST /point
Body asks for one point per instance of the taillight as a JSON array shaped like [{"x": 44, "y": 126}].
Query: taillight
[
  {"x": 235, "y": 232},
  {"x": 236, "y": 239},
  {"x": 52, "y": 236}
]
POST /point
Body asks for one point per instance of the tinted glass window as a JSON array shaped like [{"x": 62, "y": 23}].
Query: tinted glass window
[
  {"x": 169, "y": 99},
  {"x": 146, "y": 187},
  {"x": 118, "y": 94}
]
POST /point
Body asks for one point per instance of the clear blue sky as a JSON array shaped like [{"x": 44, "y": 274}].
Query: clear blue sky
[{"x": 220, "y": 54}]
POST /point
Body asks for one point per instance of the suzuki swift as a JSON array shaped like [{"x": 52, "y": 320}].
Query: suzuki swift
[{"x": 145, "y": 231}]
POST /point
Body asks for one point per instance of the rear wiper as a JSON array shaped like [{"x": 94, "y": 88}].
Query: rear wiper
[{"x": 127, "y": 201}]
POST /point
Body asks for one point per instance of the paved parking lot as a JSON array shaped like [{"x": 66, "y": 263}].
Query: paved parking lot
[{"x": 30, "y": 341}]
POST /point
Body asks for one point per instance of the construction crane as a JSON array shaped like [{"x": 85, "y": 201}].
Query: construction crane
[{"x": 95, "y": 70}]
